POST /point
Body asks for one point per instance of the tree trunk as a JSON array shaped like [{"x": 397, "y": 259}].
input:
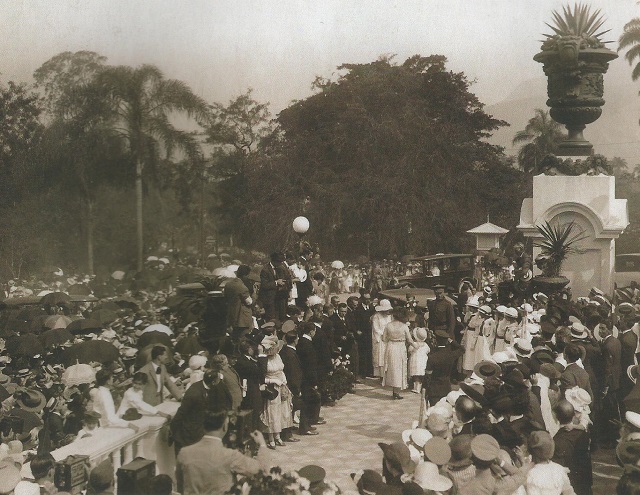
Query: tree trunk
[
  {"x": 139, "y": 215},
  {"x": 90, "y": 262}
]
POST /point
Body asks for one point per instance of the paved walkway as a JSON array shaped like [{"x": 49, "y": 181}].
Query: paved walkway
[{"x": 349, "y": 440}]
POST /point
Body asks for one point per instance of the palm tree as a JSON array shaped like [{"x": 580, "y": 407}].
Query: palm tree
[
  {"x": 541, "y": 136},
  {"x": 144, "y": 101},
  {"x": 630, "y": 37}
]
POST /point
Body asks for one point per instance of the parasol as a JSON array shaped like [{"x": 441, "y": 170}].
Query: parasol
[
  {"x": 104, "y": 316},
  {"x": 77, "y": 374},
  {"x": 55, "y": 336},
  {"x": 82, "y": 326},
  {"x": 90, "y": 351},
  {"x": 57, "y": 321},
  {"x": 25, "y": 345},
  {"x": 337, "y": 264},
  {"x": 158, "y": 327},
  {"x": 31, "y": 420},
  {"x": 125, "y": 302},
  {"x": 110, "y": 305},
  {"x": 223, "y": 272},
  {"x": 154, "y": 337},
  {"x": 56, "y": 298},
  {"x": 29, "y": 313},
  {"x": 189, "y": 345}
]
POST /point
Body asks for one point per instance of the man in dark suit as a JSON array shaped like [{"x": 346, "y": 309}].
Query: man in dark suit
[
  {"x": 251, "y": 370},
  {"x": 573, "y": 449},
  {"x": 574, "y": 375},
  {"x": 305, "y": 287},
  {"x": 441, "y": 314},
  {"x": 293, "y": 372},
  {"x": 158, "y": 378},
  {"x": 310, "y": 395},
  {"x": 323, "y": 340},
  {"x": 629, "y": 344},
  {"x": 440, "y": 366},
  {"x": 275, "y": 284},
  {"x": 209, "y": 394},
  {"x": 343, "y": 333},
  {"x": 611, "y": 352},
  {"x": 362, "y": 319}
]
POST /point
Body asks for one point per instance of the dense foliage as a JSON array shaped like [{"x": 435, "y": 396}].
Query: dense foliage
[{"x": 387, "y": 159}]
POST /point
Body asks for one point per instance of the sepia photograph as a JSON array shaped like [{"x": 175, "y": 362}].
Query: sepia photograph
[{"x": 259, "y": 247}]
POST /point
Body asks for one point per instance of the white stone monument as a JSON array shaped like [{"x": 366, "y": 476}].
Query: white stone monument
[{"x": 588, "y": 200}]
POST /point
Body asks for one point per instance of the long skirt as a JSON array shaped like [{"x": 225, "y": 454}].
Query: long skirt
[
  {"x": 277, "y": 414},
  {"x": 469, "y": 341},
  {"x": 395, "y": 365},
  {"x": 378, "y": 353}
]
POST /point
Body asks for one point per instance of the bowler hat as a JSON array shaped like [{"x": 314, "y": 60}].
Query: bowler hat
[
  {"x": 131, "y": 414},
  {"x": 315, "y": 474},
  {"x": 474, "y": 392}
]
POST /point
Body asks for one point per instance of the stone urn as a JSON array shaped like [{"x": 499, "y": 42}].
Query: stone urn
[
  {"x": 548, "y": 285},
  {"x": 575, "y": 87}
]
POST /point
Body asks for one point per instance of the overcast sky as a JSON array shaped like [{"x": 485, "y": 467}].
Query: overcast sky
[{"x": 277, "y": 47}]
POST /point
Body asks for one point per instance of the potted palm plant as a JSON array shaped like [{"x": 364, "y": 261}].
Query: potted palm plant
[
  {"x": 556, "y": 244},
  {"x": 575, "y": 59}
]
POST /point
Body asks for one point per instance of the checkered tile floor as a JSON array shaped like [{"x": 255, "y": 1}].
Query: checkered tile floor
[{"x": 349, "y": 440}]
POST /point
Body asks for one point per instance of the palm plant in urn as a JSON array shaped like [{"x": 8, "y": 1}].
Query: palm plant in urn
[
  {"x": 557, "y": 243},
  {"x": 575, "y": 59}
]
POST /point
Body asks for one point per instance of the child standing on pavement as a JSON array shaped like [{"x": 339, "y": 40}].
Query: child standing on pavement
[{"x": 418, "y": 353}]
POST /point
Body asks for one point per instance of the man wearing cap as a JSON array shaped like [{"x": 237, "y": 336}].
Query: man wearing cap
[
  {"x": 440, "y": 366},
  {"x": 441, "y": 314},
  {"x": 487, "y": 458}
]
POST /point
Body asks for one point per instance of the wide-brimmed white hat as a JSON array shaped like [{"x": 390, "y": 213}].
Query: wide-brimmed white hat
[
  {"x": 385, "y": 305},
  {"x": 511, "y": 313},
  {"x": 473, "y": 302},
  {"x": 429, "y": 478}
]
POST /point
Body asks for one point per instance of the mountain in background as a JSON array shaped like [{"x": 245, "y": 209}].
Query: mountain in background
[{"x": 615, "y": 133}]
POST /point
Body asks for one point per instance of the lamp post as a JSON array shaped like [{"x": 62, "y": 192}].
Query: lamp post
[{"x": 300, "y": 226}]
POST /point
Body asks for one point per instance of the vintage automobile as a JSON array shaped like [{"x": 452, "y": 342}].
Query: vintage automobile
[
  {"x": 451, "y": 270},
  {"x": 627, "y": 269}
]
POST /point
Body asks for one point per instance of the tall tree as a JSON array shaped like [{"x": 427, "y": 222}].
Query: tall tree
[
  {"x": 144, "y": 102},
  {"x": 388, "y": 156},
  {"x": 234, "y": 132},
  {"x": 541, "y": 136},
  {"x": 80, "y": 145},
  {"x": 630, "y": 38}
]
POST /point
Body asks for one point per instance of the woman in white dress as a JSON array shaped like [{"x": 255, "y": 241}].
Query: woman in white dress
[
  {"x": 470, "y": 336},
  {"x": 397, "y": 336},
  {"x": 378, "y": 322},
  {"x": 418, "y": 355},
  {"x": 102, "y": 401},
  {"x": 486, "y": 334},
  {"x": 277, "y": 414}
]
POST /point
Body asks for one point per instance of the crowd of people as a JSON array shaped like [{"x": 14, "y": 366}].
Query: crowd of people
[{"x": 516, "y": 396}]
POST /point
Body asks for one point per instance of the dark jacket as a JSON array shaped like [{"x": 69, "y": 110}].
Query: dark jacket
[
  {"x": 187, "y": 425},
  {"x": 309, "y": 361},
  {"x": 572, "y": 376},
  {"x": 573, "y": 451},
  {"x": 611, "y": 352},
  {"x": 440, "y": 366},
  {"x": 292, "y": 369},
  {"x": 253, "y": 372}
]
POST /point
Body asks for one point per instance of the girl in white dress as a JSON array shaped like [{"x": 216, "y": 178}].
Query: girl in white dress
[
  {"x": 378, "y": 321},
  {"x": 418, "y": 354}
]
